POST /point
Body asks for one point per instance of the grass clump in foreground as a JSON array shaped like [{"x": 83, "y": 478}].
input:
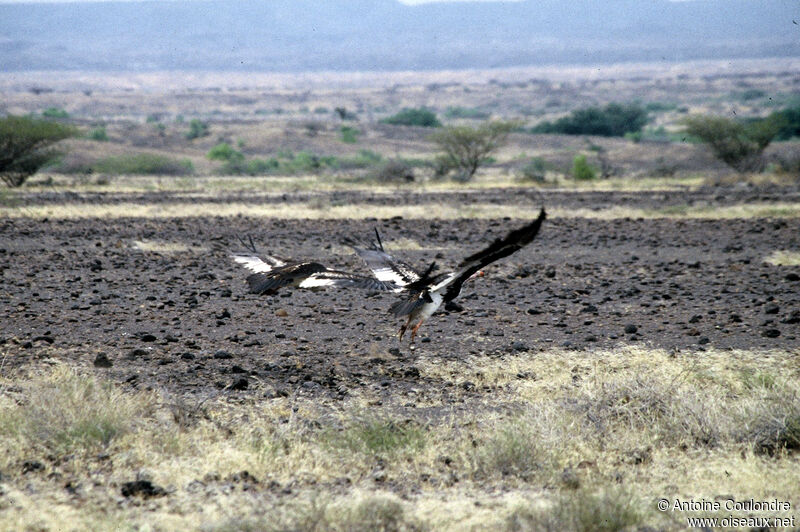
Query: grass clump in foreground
[
  {"x": 381, "y": 511},
  {"x": 378, "y": 436},
  {"x": 607, "y": 510},
  {"x": 67, "y": 413}
]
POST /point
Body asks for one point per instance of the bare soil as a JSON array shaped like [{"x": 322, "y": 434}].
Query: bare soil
[{"x": 177, "y": 315}]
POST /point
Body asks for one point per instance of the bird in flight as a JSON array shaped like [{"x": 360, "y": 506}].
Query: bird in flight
[
  {"x": 425, "y": 291},
  {"x": 271, "y": 273}
]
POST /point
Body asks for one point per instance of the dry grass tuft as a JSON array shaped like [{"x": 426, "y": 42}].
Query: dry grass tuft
[
  {"x": 608, "y": 510},
  {"x": 377, "y": 435},
  {"x": 316, "y": 512},
  {"x": 783, "y": 258},
  {"x": 68, "y": 413}
]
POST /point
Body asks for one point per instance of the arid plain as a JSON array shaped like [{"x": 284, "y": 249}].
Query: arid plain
[{"x": 643, "y": 347}]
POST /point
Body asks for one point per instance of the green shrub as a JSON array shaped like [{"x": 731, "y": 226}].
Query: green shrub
[
  {"x": 349, "y": 134},
  {"x": 750, "y": 94},
  {"x": 582, "y": 170},
  {"x": 364, "y": 159},
  {"x": 344, "y": 114},
  {"x": 654, "y": 107},
  {"x": 466, "y": 112},
  {"x": 413, "y": 117},
  {"x": 55, "y": 112},
  {"x": 197, "y": 129},
  {"x": 740, "y": 145},
  {"x": 535, "y": 170},
  {"x": 224, "y": 152},
  {"x": 393, "y": 171},
  {"x": 25, "y": 146},
  {"x": 465, "y": 149},
  {"x": 143, "y": 164},
  {"x": 788, "y": 121},
  {"x": 98, "y": 134},
  {"x": 262, "y": 166},
  {"x": 613, "y": 120}
]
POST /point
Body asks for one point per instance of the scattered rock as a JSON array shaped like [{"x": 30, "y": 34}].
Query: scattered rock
[
  {"x": 792, "y": 318},
  {"x": 142, "y": 488},
  {"x": 631, "y": 328},
  {"x": 411, "y": 372},
  {"x": 771, "y": 333},
  {"x": 240, "y": 384},
  {"x": 32, "y": 466},
  {"x": 222, "y": 355},
  {"x": 792, "y": 277},
  {"x": 102, "y": 361},
  {"x": 281, "y": 313},
  {"x": 772, "y": 308},
  {"x": 242, "y": 476}
]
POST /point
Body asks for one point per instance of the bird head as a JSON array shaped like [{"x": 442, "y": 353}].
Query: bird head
[{"x": 479, "y": 273}]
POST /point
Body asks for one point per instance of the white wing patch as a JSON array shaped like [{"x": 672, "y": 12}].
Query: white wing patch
[
  {"x": 258, "y": 264},
  {"x": 388, "y": 275},
  {"x": 317, "y": 281},
  {"x": 444, "y": 282}
]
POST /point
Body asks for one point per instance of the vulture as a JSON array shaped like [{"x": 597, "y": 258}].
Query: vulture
[
  {"x": 423, "y": 292},
  {"x": 271, "y": 273}
]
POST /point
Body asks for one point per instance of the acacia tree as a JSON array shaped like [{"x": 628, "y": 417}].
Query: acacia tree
[
  {"x": 739, "y": 145},
  {"x": 465, "y": 148},
  {"x": 26, "y": 145}
]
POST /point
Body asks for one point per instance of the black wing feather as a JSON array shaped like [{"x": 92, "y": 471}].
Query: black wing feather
[{"x": 502, "y": 247}]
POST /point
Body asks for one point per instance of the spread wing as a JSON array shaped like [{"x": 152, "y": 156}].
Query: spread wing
[
  {"x": 258, "y": 264},
  {"x": 500, "y": 248},
  {"x": 345, "y": 279},
  {"x": 385, "y": 267},
  {"x": 268, "y": 279}
]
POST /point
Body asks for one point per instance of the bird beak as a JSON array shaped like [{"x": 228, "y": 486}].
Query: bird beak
[{"x": 479, "y": 273}]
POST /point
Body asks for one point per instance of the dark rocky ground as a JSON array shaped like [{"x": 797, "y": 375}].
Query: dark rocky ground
[{"x": 80, "y": 290}]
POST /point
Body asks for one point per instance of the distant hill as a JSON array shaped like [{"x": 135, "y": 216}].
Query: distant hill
[{"x": 305, "y": 35}]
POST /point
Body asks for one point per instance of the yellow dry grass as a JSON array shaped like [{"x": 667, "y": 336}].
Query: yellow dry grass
[
  {"x": 783, "y": 258},
  {"x": 317, "y": 210},
  {"x": 559, "y": 438}
]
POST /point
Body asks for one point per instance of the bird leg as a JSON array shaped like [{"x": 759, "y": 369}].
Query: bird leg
[
  {"x": 405, "y": 327},
  {"x": 415, "y": 329}
]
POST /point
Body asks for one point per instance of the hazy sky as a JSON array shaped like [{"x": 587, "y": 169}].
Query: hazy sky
[{"x": 409, "y": 2}]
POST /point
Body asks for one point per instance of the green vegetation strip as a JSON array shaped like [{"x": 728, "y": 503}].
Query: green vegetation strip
[{"x": 322, "y": 209}]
